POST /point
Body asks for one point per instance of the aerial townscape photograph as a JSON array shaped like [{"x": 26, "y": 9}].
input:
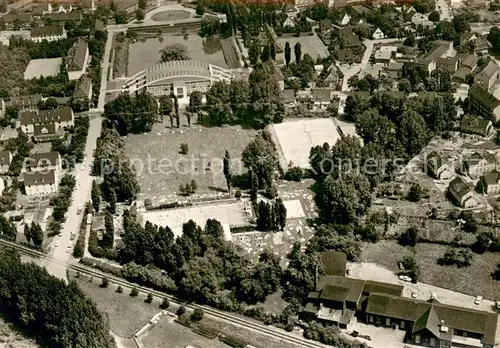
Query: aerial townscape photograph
[{"x": 249, "y": 174}]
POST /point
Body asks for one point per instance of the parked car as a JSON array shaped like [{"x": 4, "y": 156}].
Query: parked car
[
  {"x": 414, "y": 294},
  {"x": 478, "y": 300},
  {"x": 56, "y": 244},
  {"x": 405, "y": 278}
]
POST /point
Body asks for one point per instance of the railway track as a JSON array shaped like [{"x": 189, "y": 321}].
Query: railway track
[{"x": 236, "y": 320}]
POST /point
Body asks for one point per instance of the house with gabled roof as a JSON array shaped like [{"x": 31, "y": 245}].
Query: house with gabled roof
[
  {"x": 345, "y": 20},
  {"x": 83, "y": 89},
  {"x": 289, "y": 22},
  {"x": 378, "y": 34},
  {"x": 476, "y": 125},
  {"x": 488, "y": 76},
  {"x": 462, "y": 193},
  {"x": 42, "y": 9},
  {"x": 5, "y": 161},
  {"x": 62, "y": 17},
  {"x": 489, "y": 183},
  {"x": 41, "y": 183},
  {"x": 268, "y": 37},
  {"x": 439, "y": 167},
  {"x": 42, "y": 162},
  {"x": 477, "y": 42},
  {"x": 477, "y": 164},
  {"x": 483, "y": 103},
  {"x": 62, "y": 118},
  {"x": 48, "y": 33},
  {"x": 78, "y": 59},
  {"x": 11, "y": 20}
]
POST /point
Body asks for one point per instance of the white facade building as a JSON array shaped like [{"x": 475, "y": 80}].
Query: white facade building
[
  {"x": 62, "y": 118},
  {"x": 41, "y": 183},
  {"x": 49, "y": 33}
]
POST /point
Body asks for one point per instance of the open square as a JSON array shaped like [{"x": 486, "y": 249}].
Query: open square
[
  {"x": 43, "y": 67},
  {"x": 226, "y": 214},
  {"x": 310, "y": 44},
  {"x": 294, "y": 209},
  {"x": 296, "y": 138}
]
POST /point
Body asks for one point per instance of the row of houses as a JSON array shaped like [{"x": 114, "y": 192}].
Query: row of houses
[{"x": 342, "y": 301}]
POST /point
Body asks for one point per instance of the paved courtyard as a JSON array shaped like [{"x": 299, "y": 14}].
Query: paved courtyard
[{"x": 43, "y": 67}]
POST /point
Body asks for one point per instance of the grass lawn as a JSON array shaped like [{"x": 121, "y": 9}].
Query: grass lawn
[
  {"x": 10, "y": 338},
  {"x": 126, "y": 314},
  {"x": 474, "y": 280},
  {"x": 165, "y": 169}
]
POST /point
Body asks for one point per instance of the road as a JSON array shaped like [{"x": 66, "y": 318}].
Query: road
[
  {"x": 104, "y": 71},
  {"x": 80, "y": 196}
]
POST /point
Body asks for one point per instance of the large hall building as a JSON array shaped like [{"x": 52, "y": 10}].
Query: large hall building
[{"x": 178, "y": 77}]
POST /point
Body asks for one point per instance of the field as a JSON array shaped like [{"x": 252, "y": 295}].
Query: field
[
  {"x": 147, "y": 53},
  {"x": 126, "y": 314},
  {"x": 473, "y": 280},
  {"x": 43, "y": 67},
  {"x": 168, "y": 169},
  {"x": 10, "y": 338},
  {"x": 309, "y": 44}
]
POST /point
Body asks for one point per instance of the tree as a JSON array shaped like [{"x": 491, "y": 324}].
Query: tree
[
  {"x": 142, "y": 4},
  {"x": 174, "y": 52},
  {"x": 176, "y": 109},
  {"x": 446, "y": 30},
  {"x": 165, "y": 304},
  {"x": 95, "y": 195},
  {"x": 253, "y": 52},
  {"x": 104, "y": 282},
  {"x": 194, "y": 186},
  {"x": 409, "y": 237},
  {"x": 109, "y": 236},
  {"x": 434, "y": 16},
  {"x": 254, "y": 185},
  {"x": 112, "y": 201},
  {"x": 288, "y": 53},
  {"x": 27, "y": 233},
  {"x": 210, "y": 26},
  {"x": 416, "y": 193},
  {"x": 298, "y": 53},
  {"x": 36, "y": 234},
  {"x": 123, "y": 111},
  {"x": 181, "y": 311},
  {"x": 228, "y": 174},
  {"x": 184, "y": 149},
  {"x": 166, "y": 106},
  {"x": 134, "y": 292},
  {"x": 197, "y": 314},
  {"x": 195, "y": 104},
  {"x": 266, "y": 54},
  {"x": 412, "y": 132},
  {"x": 264, "y": 217},
  {"x": 272, "y": 51},
  {"x": 200, "y": 10},
  {"x": 139, "y": 15},
  {"x": 149, "y": 298},
  {"x": 280, "y": 211}
]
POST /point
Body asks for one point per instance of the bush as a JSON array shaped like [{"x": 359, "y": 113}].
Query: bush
[
  {"x": 165, "y": 304},
  {"x": 119, "y": 289},
  {"x": 237, "y": 194},
  {"x": 105, "y": 282},
  {"x": 184, "y": 149},
  {"x": 181, "y": 311},
  {"x": 197, "y": 314},
  {"x": 416, "y": 193},
  {"x": 460, "y": 257},
  {"x": 134, "y": 292},
  {"x": 271, "y": 192},
  {"x": 409, "y": 237},
  {"x": 149, "y": 299},
  {"x": 294, "y": 174}
]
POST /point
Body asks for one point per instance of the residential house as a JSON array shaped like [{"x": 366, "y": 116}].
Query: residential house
[
  {"x": 25, "y": 102},
  {"x": 385, "y": 54},
  {"x": 289, "y": 22},
  {"x": 274, "y": 69},
  {"x": 438, "y": 167},
  {"x": 2, "y": 185},
  {"x": 477, "y": 125},
  {"x": 5, "y": 161},
  {"x": 268, "y": 37},
  {"x": 48, "y": 33},
  {"x": 483, "y": 103},
  {"x": 419, "y": 19},
  {"x": 42, "y": 9},
  {"x": 334, "y": 79},
  {"x": 289, "y": 98},
  {"x": 290, "y": 10},
  {"x": 62, "y": 118},
  {"x": 326, "y": 24},
  {"x": 477, "y": 164},
  {"x": 16, "y": 21},
  {"x": 460, "y": 76},
  {"x": 78, "y": 59},
  {"x": 462, "y": 193},
  {"x": 449, "y": 64},
  {"x": 321, "y": 98},
  {"x": 474, "y": 41},
  {"x": 469, "y": 61},
  {"x": 83, "y": 90},
  {"x": 489, "y": 183},
  {"x": 63, "y": 8},
  {"x": 62, "y": 17},
  {"x": 40, "y": 183},
  {"x": 98, "y": 26},
  {"x": 428, "y": 62},
  {"x": 431, "y": 323},
  {"x": 345, "y": 20},
  {"x": 488, "y": 76},
  {"x": 88, "y": 5},
  {"x": 47, "y": 132},
  {"x": 378, "y": 34},
  {"x": 43, "y": 162}
]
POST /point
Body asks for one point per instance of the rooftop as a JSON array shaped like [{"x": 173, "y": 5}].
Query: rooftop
[
  {"x": 47, "y": 31},
  {"x": 484, "y": 96},
  {"x": 42, "y": 159},
  {"x": 64, "y": 114},
  {"x": 77, "y": 55},
  {"x": 39, "y": 178},
  {"x": 83, "y": 87}
]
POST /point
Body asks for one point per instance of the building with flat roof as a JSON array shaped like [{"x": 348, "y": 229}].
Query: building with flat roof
[{"x": 180, "y": 77}]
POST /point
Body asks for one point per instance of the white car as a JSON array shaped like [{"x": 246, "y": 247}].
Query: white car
[
  {"x": 68, "y": 250},
  {"x": 405, "y": 278},
  {"x": 70, "y": 245},
  {"x": 478, "y": 300},
  {"x": 56, "y": 244}
]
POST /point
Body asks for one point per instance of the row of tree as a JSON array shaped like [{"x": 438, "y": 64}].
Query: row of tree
[{"x": 271, "y": 216}]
